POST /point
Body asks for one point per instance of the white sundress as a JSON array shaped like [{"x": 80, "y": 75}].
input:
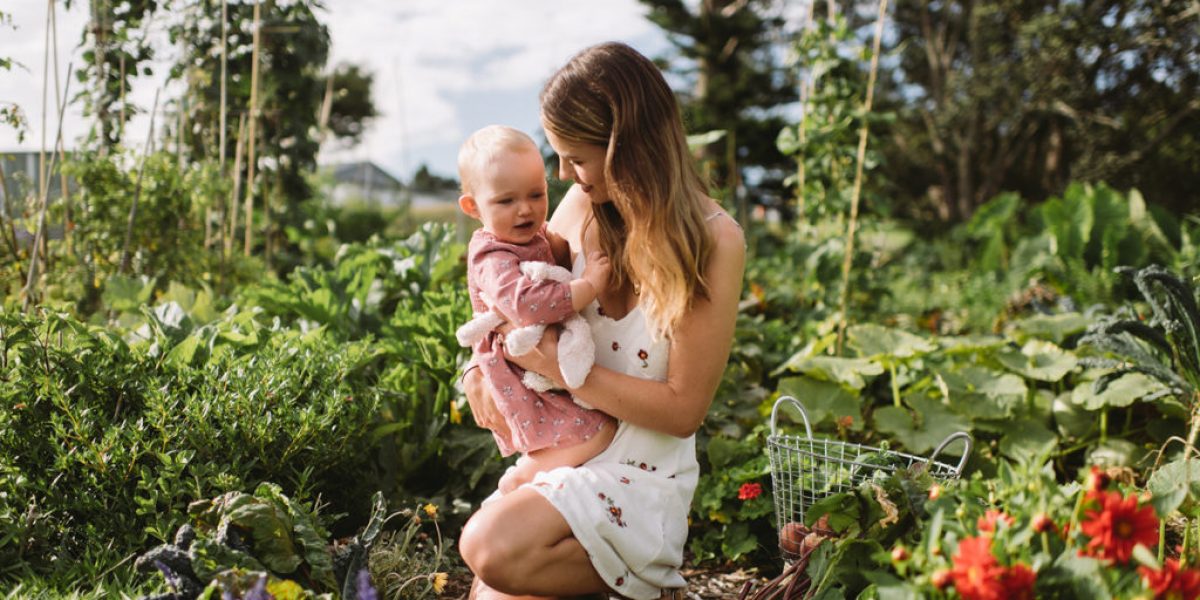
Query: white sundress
[{"x": 628, "y": 505}]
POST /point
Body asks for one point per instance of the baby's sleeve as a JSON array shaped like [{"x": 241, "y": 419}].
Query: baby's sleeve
[{"x": 520, "y": 299}]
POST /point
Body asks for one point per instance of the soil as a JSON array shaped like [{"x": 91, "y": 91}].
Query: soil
[{"x": 703, "y": 583}]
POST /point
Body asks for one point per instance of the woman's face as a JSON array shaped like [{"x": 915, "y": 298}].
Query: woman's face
[{"x": 583, "y": 164}]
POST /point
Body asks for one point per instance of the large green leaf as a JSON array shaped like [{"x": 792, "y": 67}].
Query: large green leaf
[
  {"x": 928, "y": 425},
  {"x": 873, "y": 340},
  {"x": 825, "y": 401},
  {"x": 1054, "y": 328},
  {"x": 1039, "y": 360},
  {"x": 1027, "y": 440},
  {"x": 1124, "y": 391},
  {"x": 851, "y": 372},
  {"x": 1174, "y": 484}
]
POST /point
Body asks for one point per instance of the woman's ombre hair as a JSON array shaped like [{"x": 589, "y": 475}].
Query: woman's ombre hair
[{"x": 654, "y": 230}]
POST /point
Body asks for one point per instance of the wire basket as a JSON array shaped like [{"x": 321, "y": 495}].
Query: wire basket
[{"x": 805, "y": 470}]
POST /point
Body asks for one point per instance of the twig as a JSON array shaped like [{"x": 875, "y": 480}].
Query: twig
[
  {"x": 45, "y": 200},
  {"x": 137, "y": 189}
]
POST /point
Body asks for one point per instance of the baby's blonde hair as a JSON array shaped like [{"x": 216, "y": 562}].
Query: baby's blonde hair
[{"x": 483, "y": 146}]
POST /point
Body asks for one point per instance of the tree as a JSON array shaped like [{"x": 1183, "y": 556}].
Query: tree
[
  {"x": 294, "y": 48},
  {"x": 118, "y": 51},
  {"x": 731, "y": 51},
  {"x": 350, "y": 103},
  {"x": 1027, "y": 95}
]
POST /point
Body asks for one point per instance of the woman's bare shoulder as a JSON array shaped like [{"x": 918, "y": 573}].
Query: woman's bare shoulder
[{"x": 569, "y": 217}]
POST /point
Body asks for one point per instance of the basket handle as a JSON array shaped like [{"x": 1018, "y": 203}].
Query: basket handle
[
  {"x": 799, "y": 407},
  {"x": 950, "y": 439}
]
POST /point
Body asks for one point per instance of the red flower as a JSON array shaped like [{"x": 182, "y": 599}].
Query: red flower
[
  {"x": 1042, "y": 523},
  {"x": 1172, "y": 582},
  {"x": 976, "y": 574},
  {"x": 749, "y": 491},
  {"x": 1117, "y": 526},
  {"x": 987, "y": 523},
  {"x": 1018, "y": 582}
]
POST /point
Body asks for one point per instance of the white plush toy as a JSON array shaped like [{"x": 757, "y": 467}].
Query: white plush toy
[{"x": 576, "y": 349}]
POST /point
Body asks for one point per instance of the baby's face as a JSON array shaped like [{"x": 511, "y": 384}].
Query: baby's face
[{"x": 511, "y": 196}]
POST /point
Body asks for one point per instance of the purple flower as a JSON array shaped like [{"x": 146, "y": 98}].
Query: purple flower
[{"x": 364, "y": 589}]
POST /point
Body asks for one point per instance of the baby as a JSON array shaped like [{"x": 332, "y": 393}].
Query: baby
[{"x": 504, "y": 186}]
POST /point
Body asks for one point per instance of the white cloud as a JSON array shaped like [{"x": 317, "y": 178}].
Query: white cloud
[{"x": 442, "y": 67}]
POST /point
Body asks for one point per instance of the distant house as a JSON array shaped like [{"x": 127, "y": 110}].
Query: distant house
[
  {"x": 365, "y": 182},
  {"x": 20, "y": 176}
]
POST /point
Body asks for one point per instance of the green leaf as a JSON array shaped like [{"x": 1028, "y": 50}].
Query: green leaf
[
  {"x": 1027, "y": 440},
  {"x": 876, "y": 340},
  {"x": 127, "y": 293},
  {"x": 1054, "y": 328},
  {"x": 825, "y": 401},
  {"x": 930, "y": 424},
  {"x": 738, "y": 541},
  {"x": 1123, "y": 391},
  {"x": 847, "y": 371},
  {"x": 1173, "y": 485},
  {"x": 1115, "y": 452},
  {"x": 185, "y": 351},
  {"x": 1039, "y": 360}
]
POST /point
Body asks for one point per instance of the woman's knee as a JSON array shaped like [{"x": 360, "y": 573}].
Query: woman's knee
[{"x": 489, "y": 550}]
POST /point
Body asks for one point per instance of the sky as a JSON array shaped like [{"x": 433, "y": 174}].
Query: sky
[{"x": 442, "y": 68}]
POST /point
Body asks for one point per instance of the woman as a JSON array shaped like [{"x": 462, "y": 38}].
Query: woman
[{"x": 663, "y": 332}]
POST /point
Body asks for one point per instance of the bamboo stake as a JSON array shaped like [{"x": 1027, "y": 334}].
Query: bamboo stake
[
  {"x": 59, "y": 144},
  {"x": 806, "y": 88},
  {"x": 249, "y": 237},
  {"x": 41, "y": 228},
  {"x": 231, "y": 209},
  {"x": 858, "y": 174},
  {"x": 137, "y": 189},
  {"x": 221, "y": 130}
]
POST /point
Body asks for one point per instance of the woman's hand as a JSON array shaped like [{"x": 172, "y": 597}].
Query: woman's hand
[
  {"x": 543, "y": 359},
  {"x": 483, "y": 406}
]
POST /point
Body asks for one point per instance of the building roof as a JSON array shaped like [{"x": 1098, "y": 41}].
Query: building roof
[{"x": 364, "y": 173}]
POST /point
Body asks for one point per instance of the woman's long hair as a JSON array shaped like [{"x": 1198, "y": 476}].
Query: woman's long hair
[{"x": 654, "y": 230}]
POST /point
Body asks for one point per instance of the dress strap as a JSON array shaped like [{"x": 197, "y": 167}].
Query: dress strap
[{"x": 719, "y": 213}]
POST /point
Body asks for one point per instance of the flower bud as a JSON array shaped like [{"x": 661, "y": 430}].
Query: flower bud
[
  {"x": 940, "y": 578},
  {"x": 935, "y": 492},
  {"x": 899, "y": 553},
  {"x": 1042, "y": 523}
]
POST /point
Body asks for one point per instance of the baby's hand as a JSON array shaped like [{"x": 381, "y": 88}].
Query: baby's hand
[{"x": 597, "y": 271}]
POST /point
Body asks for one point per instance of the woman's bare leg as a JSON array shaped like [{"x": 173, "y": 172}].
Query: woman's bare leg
[{"x": 519, "y": 544}]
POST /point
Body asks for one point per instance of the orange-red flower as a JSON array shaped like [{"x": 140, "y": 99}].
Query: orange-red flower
[
  {"x": 749, "y": 491},
  {"x": 1018, "y": 582},
  {"x": 1172, "y": 582},
  {"x": 1117, "y": 525},
  {"x": 987, "y": 523},
  {"x": 976, "y": 573}
]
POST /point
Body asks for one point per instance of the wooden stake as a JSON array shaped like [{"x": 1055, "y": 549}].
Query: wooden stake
[
  {"x": 249, "y": 238},
  {"x": 858, "y": 173},
  {"x": 137, "y": 189},
  {"x": 45, "y": 200},
  {"x": 231, "y": 209}
]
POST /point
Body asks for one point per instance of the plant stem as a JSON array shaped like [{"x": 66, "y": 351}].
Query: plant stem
[
  {"x": 1103, "y": 425},
  {"x": 895, "y": 385}
]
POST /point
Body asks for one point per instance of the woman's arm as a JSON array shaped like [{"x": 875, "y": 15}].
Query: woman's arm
[{"x": 699, "y": 351}]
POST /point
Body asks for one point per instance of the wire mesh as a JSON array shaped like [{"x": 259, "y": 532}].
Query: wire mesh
[{"x": 805, "y": 470}]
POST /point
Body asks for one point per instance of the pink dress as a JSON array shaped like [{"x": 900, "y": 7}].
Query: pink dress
[{"x": 535, "y": 420}]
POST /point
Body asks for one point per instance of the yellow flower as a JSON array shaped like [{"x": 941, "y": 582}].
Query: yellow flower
[
  {"x": 285, "y": 589},
  {"x": 455, "y": 416},
  {"x": 431, "y": 510},
  {"x": 439, "y": 582}
]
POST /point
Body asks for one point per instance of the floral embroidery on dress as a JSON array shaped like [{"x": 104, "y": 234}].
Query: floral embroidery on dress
[
  {"x": 642, "y": 354},
  {"x": 625, "y": 480},
  {"x": 616, "y": 346},
  {"x": 641, "y": 465},
  {"x": 614, "y": 511}
]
